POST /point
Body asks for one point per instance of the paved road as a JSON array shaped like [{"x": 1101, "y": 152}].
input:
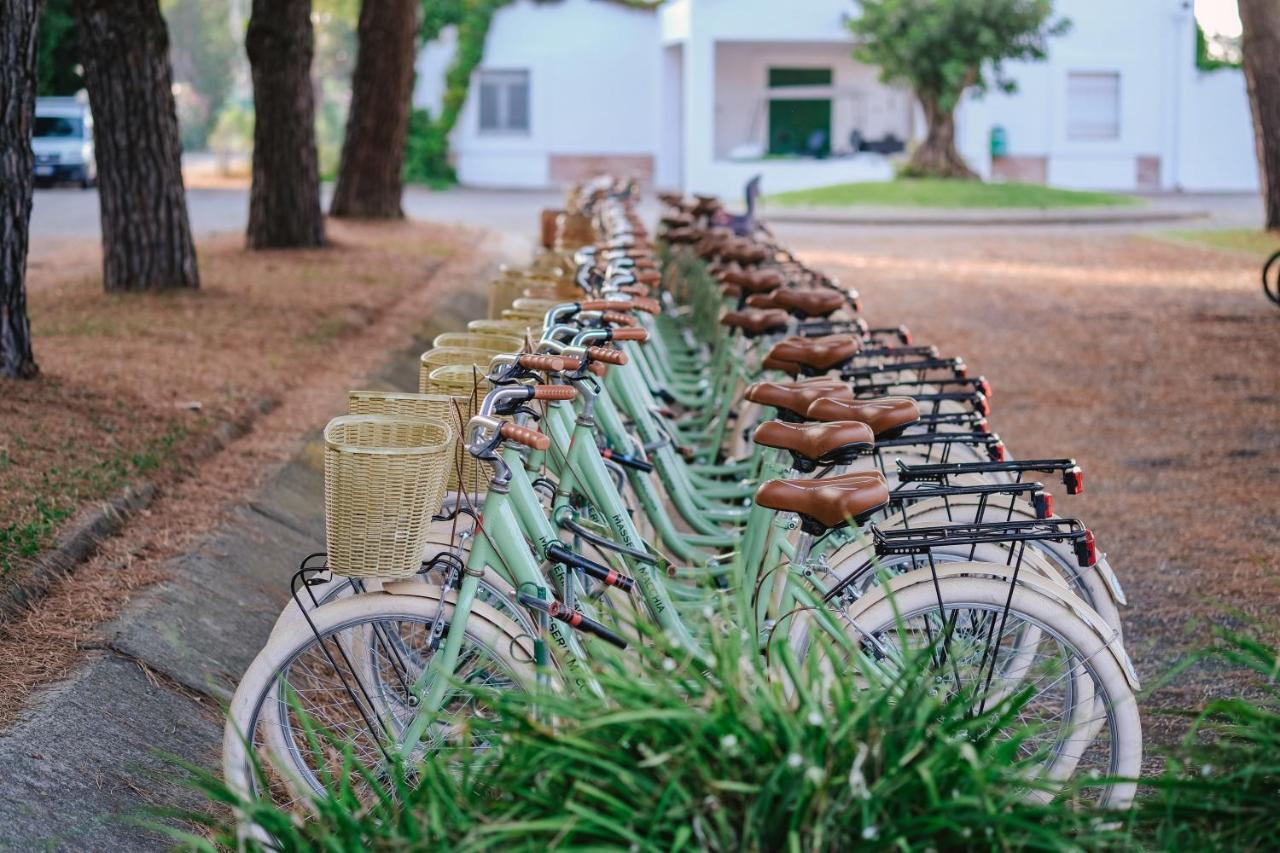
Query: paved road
[{"x": 62, "y": 214}]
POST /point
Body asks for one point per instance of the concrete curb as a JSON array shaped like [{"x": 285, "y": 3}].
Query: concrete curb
[
  {"x": 900, "y": 216},
  {"x": 105, "y": 519}
]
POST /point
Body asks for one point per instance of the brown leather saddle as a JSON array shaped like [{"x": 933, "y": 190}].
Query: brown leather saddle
[
  {"x": 753, "y": 321},
  {"x": 811, "y": 445},
  {"x": 828, "y": 503},
  {"x": 810, "y": 356},
  {"x": 887, "y": 416},
  {"x": 792, "y": 399},
  {"x": 803, "y": 302}
]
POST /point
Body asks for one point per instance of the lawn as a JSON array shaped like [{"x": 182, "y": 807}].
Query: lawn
[
  {"x": 928, "y": 192},
  {"x": 1245, "y": 241}
]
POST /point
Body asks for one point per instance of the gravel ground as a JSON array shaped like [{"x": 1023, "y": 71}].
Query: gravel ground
[{"x": 1154, "y": 365}]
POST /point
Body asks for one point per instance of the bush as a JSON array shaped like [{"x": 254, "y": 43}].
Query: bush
[
  {"x": 1219, "y": 788},
  {"x": 426, "y": 155},
  {"x": 723, "y": 755}
]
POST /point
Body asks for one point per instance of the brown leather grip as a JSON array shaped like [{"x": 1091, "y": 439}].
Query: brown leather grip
[
  {"x": 604, "y": 305},
  {"x": 648, "y": 276},
  {"x": 630, "y": 335},
  {"x": 554, "y": 392},
  {"x": 553, "y": 363},
  {"x": 607, "y": 355},
  {"x": 618, "y": 319},
  {"x": 527, "y": 437},
  {"x": 645, "y": 304},
  {"x": 634, "y": 290},
  {"x": 597, "y": 367}
]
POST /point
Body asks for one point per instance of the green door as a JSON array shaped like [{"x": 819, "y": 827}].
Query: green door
[{"x": 794, "y": 125}]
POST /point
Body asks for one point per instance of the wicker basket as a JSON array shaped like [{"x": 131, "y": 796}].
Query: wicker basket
[
  {"x": 383, "y": 482},
  {"x": 492, "y": 343},
  {"x": 467, "y": 357},
  {"x": 427, "y": 406},
  {"x": 519, "y": 328},
  {"x": 458, "y": 386}
]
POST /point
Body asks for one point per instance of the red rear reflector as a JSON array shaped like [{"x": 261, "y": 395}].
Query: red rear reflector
[
  {"x": 984, "y": 386},
  {"x": 1073, "y": 479},
  {"x": 1086, "y": 550},
  {"x": 1043, "y": 502},
  {"x": 962, "y": 369},
  {"x": 904, "y": 335},
  {"x": 983, "y": 406},
  {"x": 996, "y": 451},
  {"x": 983, "y": 426}
]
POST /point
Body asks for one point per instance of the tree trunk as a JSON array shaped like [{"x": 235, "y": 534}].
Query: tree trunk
[
  {"x": 371, "y": 173},
  {"x": 937, "y": 156},
  {"x": 146, "y": 237},
  {"x": 1261, "y": 53},
  {"x": 284, "y": 203},
  {"x": 18, "y": 23}
]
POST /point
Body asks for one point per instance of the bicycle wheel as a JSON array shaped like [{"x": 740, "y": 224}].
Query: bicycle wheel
[
  {"x": 352, "y": 683},
  {"x": 1271, "y": 278},
  {"x": 1081, "y": 713}
]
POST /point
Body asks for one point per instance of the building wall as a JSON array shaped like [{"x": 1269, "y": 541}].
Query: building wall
[
  {"x": 1179, "y": 128},
  {"x": 675, "y": 90},
  {"x": 594, "y": 90},
  {"x": 858, "y": 99}
]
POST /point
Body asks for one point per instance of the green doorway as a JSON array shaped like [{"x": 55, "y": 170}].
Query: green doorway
[{"x": 800, "y": 126}]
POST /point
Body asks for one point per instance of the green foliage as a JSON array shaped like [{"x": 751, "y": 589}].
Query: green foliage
[
  {"x": 58, "y": 53},
  {"x": 1204, "y": 60},
  {"x": 1219, "y": 789},
  {"x": 203, "y": 53},
  {"x": 942, "y": 193},
  {"x": 943, "y": 49},
  {"x": 727, "y": 754}
]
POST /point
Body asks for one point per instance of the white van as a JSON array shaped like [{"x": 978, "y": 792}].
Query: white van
[{"x": 63, "y": 142}]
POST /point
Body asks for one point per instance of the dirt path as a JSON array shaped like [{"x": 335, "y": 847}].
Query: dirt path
[{"x": 1154, "y": 365}]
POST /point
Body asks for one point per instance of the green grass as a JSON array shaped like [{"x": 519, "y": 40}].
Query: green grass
[
  {"x": 930, "y": 192},
  {"x": 62, "y": 491},
  {"x": 1242, "y": 240}
]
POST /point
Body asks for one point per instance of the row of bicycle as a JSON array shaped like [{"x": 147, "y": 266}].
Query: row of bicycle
[{"x": 657, "y": 433}]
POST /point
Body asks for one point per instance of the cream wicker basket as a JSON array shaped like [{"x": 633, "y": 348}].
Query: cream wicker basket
[{"x": 383, "y": 483}]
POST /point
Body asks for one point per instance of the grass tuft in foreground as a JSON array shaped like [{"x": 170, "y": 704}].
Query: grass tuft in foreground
[
  {"x": 933, "y": 192},
  {"x": 734, "y": 754}
]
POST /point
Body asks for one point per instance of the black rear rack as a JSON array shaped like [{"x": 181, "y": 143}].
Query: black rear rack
[
  {"x": 922, "y": 540},
  {"x": 1072, "y": 476},
  {"x": 903, "y": 496}
]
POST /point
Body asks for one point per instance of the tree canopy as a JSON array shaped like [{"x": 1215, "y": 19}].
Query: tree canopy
[{"x": 942, "y": 49}]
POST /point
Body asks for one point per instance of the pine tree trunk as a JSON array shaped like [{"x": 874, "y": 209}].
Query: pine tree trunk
[
  {"x": 18, "y": 23},
  {"x": 284, "y": 203},
  {"x": 937, "y": 156},
  {"x": 1261, "y": 53},
  {"x": 371, "y": 173},
  {"x": 146, "y": 237}
]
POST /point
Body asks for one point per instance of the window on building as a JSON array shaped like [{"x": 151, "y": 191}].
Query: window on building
[
  {"x": 1093, "y": 105},
  {"x": 504, "y": 101},
  {"x": 779, "y": 77}
]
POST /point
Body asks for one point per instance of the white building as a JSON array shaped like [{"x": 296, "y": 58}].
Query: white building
[{"x": 702, "y": 94}]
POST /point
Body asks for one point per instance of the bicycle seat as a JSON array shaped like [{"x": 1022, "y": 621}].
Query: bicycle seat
[
  {"x": 811, "y": 355},
  {"x": 828, "y": 503},
  {"x": 804, "y": 302},
  {"x": 795, "y": 397},
  {"x": 835, "y": 443},
  {"x": 754, "y": 322},
  {"x": 885, "y": 415},
  {"x": 752, "y": 281}
]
